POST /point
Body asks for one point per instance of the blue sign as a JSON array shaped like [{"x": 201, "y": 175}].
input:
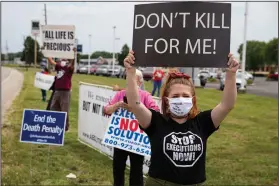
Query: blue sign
[
  {"x": 79, "y": 48},
  {"x": 43, "y": 127}
]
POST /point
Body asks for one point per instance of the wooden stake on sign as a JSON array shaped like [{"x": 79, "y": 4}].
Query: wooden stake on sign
[
  {"x": 48, "y": 160},
  {"x": 35, "y": 51},
  {"x": 30, "y": 164}
]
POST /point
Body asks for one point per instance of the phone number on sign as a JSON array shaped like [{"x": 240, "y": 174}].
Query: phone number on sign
[{"x": 126, "y": 146}]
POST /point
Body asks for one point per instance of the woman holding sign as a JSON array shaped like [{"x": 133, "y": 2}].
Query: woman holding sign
[
  {"x": 120, "y": 156},
  {"x": 178, "y": 136},
  {"x": 62, "y": 86}
]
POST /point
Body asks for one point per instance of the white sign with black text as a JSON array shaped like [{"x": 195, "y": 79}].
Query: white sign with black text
[
  {"x": 58, "y": 41},
  {"x": 43, "y": 81}
]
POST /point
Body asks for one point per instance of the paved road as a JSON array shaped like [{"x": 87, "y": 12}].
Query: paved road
[
  {"x": 5, "y": 73},
  {"x": 261, "y": 87},
  {"x": 11, "y": 83}
]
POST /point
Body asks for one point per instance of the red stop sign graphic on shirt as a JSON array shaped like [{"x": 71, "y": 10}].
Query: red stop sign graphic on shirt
[{"x": 183, "y": 149}]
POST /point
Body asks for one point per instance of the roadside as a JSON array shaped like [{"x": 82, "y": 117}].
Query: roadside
[
  {"x": 260, "y": 87},
  {"x": 11, "y": 83}
]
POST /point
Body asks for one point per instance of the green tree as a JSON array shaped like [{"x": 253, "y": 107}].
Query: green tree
[
  {"x": 124, "y": 52},
  {"x": 28, "y": 51},
  {"x": 103, "y": 54},
  {"x": 271, "y": 52},
  {"x": 83, "y": 56},
  {"x": 254, "y": 54},
  {"x": 78, "y": 57}
]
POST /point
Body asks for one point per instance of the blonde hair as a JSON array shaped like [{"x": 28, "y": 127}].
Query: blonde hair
[{"x": 139, "y": 75}]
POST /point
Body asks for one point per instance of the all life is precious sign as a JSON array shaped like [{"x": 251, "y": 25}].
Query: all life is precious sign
[{"x": 182, "y": 34}]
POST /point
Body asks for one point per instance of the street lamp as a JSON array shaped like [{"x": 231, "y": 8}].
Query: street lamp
[
  {"x": 244, "y": 48},
  {"x": 113, "y": 52},
  {"x": 89, "y": 53}
]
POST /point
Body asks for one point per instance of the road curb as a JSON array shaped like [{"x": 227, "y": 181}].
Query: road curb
[{"x": 11, "y": 91}]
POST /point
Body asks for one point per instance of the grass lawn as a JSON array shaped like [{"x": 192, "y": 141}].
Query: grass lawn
[{"x": 243, "y": 151}]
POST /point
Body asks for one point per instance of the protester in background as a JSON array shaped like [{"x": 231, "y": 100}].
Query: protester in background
[
  {"x": 178, "y": 136},
  {"x": 120, "y": 156},
  {"x": 63, "y": 84},
  {"x": 170, "y": 70},
  {"x": 158, "y": 76},
  {"x": 117, "y": 88},
  {"x": 44, "y": 94}
]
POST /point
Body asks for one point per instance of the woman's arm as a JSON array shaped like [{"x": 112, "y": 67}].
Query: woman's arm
[
  {"x": 142, "y": 114},
  {"x": 72, "y": 64},
  {"x": 219, "y": 113},
  {"x": 112, "y": 108},
  {"x": 115, "y": 103},
  {"x": 51, "y": 61}
]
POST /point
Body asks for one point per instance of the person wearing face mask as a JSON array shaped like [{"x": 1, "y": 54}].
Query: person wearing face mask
[
  {"x": 178, "y": 136},
  {"x": 120, "y": 156},
  {"x": 62, "y": 86}
]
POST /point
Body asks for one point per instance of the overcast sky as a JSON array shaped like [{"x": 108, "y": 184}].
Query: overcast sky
[{"x": 98, "y": 18}]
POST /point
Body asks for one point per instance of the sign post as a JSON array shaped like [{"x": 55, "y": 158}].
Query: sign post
[
  {"x": 35, "y": 31},
  {"x": 192, "y": 34},
  {"x": 35, "y": 51}
]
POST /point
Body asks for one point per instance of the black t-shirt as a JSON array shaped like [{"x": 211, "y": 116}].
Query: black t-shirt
[{"x": 179, "y": 150}]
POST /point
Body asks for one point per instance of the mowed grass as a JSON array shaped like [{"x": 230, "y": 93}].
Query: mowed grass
[{"x": 243, "y": 151}]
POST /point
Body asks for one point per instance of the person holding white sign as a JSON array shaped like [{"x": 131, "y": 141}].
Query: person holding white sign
[
  {"x": 178, "y": 136},
  {"x": 120, "y": 156},
  {"x": 62, "y": 86}
]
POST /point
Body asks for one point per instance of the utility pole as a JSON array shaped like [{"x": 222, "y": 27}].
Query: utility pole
[
  {"x": 89, "y": 54},
  {"x": 244, "y": 48},
  {"x": 113, "y": 50},
  {"x": 7, "y": 51},
  {"x": 45, "y": 14}
]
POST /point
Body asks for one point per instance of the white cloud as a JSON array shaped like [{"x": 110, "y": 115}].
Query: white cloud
[{"x": 98, "y": 18}]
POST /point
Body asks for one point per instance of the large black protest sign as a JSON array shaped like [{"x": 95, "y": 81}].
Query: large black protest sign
[{"x": 182, "y": 34}]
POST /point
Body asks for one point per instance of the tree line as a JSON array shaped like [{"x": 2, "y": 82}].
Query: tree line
[
  {"x": 27, "y": 53},
  {"x": 258, "y": 53}
]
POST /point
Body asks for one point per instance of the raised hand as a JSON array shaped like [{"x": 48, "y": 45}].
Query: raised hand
[
  {"x": 233, "y": 64},
  {"x": 129, "y": 60}
]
